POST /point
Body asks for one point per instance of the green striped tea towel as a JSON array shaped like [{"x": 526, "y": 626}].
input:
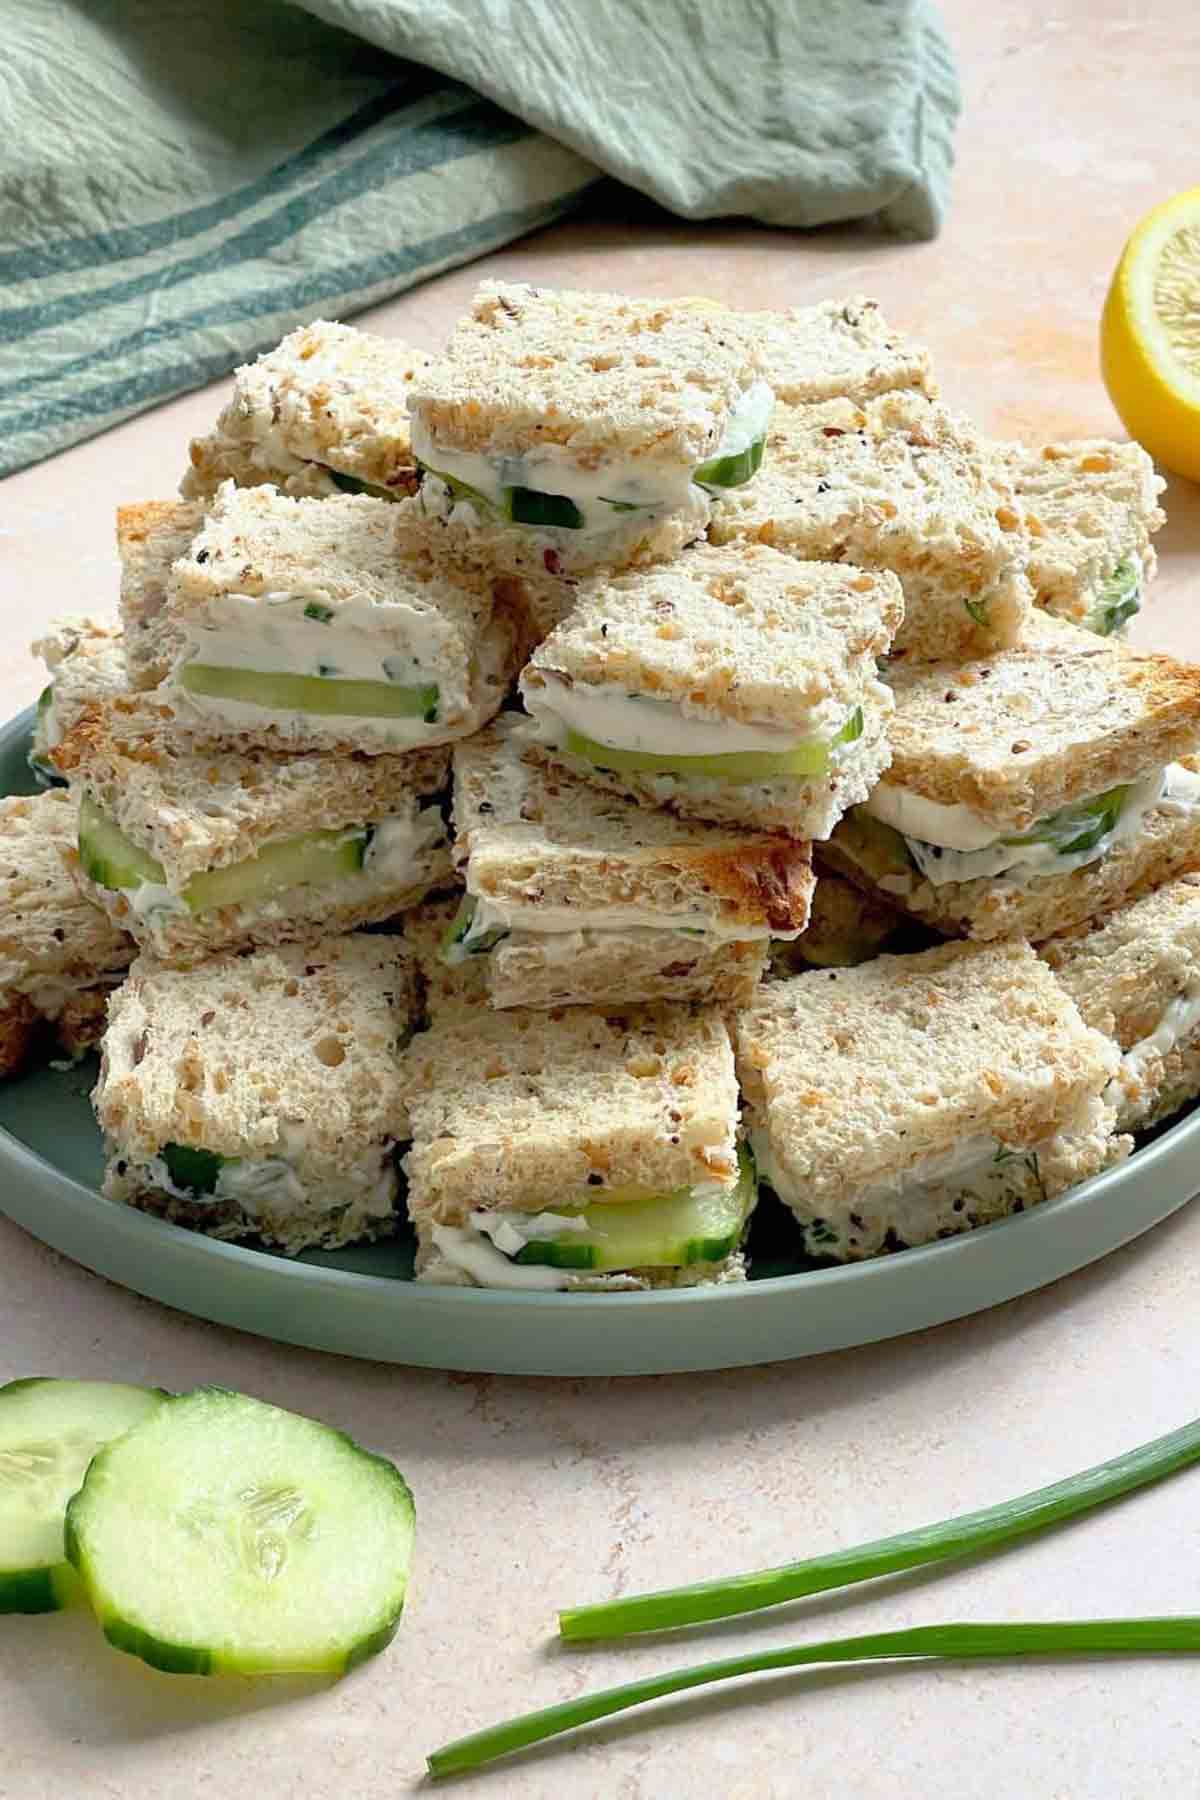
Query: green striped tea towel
[{"x": 185, "y": 180}]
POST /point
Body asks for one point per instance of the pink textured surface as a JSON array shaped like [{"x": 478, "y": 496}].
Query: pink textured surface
[{"x": 534, "y": 1494}]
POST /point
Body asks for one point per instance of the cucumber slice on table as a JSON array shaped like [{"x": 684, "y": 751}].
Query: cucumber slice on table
[
  {"x": 228, "y": 1536},
  {"x": 810, "y": 757},
  {"x": 731, "y": 471},
  {"x": 49, "y": 1432},
  {"x": 318, "y": 694},
  {"x": 667, "y": 1231}
]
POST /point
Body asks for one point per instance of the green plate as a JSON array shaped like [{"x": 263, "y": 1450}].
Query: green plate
[{"x": 365, "y": 1303}]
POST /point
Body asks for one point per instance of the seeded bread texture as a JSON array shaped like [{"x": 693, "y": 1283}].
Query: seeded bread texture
[
  {"x": 446, "y": 988},
  {"x": 217, "y": 457},
  {"x": 52, "y": 937},
  {"x": 523, "y": 1110},
  {"x": 621, "y": 967},
  {"x": 19, "y": 1025},
  {"x": 76, "y": 635},
  {"x": 1168, "y": 845},
  {"x": 227, "y": 1056},
  {"x": 1123, "y": 970},
  {"x": 1086, "y": 506},
  {"x": 852, "y": 1076},
  {"x": 328, "y": 394},
  {"x": 805, "y": 807},
  {"x": 205, "y": 809},
  {"x": 648, "y": 382},
  {"x": 527, "y": 834},
  {"x": 1019, "y": 734},
  {"x": 737, "y": 633},
  {"x": 151, "y": 536},
  {"x": 86, "y": 660},
  {"x": 901, "y": 484},
  {"x": 835, "y": 349}
]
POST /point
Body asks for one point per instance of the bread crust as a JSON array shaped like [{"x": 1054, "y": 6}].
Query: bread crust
[
  {"x": 837, "y": 348},
  {"x": 897, "y": 483},
  {"x": 517, "y": 1109},
  {"x": 151, "y": 536}
]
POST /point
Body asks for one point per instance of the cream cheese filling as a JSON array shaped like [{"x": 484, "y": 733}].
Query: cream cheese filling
[
  {"x": 623, "y": 721},
  {"x": 952, "y": 844},
  {"x": 465, "y": 1248},
  {"x": 539, "y": 921},
  {"x": 606, "y": 496},
  {"x": 1180, "y": 1018}
]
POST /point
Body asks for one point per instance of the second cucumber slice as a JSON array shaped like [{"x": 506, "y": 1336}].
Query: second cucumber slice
[
  {"x": 323, "y": 695},
  {"x": 226, "y": 1535},
  {"x": 807, "y": 758},
  {"x": 669, "y": 1231}
]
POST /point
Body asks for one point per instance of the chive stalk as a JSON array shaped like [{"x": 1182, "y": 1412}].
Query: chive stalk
[
  {"x": 1084, "y": 1637},
  {"x": 975, "y": 1533}
]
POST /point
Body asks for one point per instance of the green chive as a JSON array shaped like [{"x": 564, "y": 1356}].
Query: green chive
[
  {"x": 1084, "y": 1637},
  {"x": 971, "y": 1534}
]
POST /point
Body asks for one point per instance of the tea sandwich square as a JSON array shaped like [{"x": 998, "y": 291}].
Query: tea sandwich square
[
  {"x": 1032, "y": 789},
  {"x": 319, "y": 625},
  {"x": 325, "y": 412},
  {"x": 192, "y": 851},
  {"x": 915, "y": 1097},
  {"x": 1088, "y": 510},
  {"x": 1135, "y": 975},
  {"x": 262, "y": 1095},
  {"x": 735, "y": 684},
  {"x": 895, "y": 482},
  {"x": 60, "y": 954},
  {"x": 578, "y": 896},
  {"x": 578, "y": 1148},
  {"x": 593, "y": 425}
]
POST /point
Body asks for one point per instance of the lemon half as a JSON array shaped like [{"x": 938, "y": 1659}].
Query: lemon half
[{"x": 1150, "y": 335}]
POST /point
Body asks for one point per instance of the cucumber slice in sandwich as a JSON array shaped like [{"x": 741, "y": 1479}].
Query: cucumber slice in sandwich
[
  {"x": 461, "y": 490},
  {"x": 224, "y": 1535},
  {"x": 529, "y": 506},
  {"x": 460, "y": 941},
  {"x": 1118, "y": 599},
  {"x": 351, "y": 484},
  {"x": 666, "y": 1231},
  {"x": 112, "y": 860},
  {"x": 49, "y": 1432},
  {"x": 318, "y": 694},
  {"x": 731, "y": 471},
  {"x": 811, "y": 756},
  {"x": 192, "y": 1170},
  {"x": 1078, "y": 827},
  {"x": 41, "y": 766}
]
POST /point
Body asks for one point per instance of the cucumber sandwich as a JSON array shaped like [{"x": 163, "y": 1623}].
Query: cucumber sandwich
[
  {"x": 576, "y": 1149},
  {"x": 60, "y": 954},
  {"x": 324, "y": 412},
  {"x": 733, "y": 684},
  {"x": 329, "y": 624},
  {"x": 1089, "y": 508},
  {"x": 579, "y": 896},
  {"x": 918, "y": 1096},
  {"x": 193, "y": 851},
  {"x": 1134, "y": 974},
  {"x": 262, "y": 1095},
  {"x": 1032, "y": 789},
  {"x": 895, "y": 482},
  {"x": 592, "y": 425},
  {"x": 85, "y": 660}
]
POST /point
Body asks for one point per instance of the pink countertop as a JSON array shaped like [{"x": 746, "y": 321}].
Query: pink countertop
[{"x": 532, "y": 1494}]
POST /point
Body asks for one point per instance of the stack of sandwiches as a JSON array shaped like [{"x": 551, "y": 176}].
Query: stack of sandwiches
[{"x": 641, "y": 755}]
